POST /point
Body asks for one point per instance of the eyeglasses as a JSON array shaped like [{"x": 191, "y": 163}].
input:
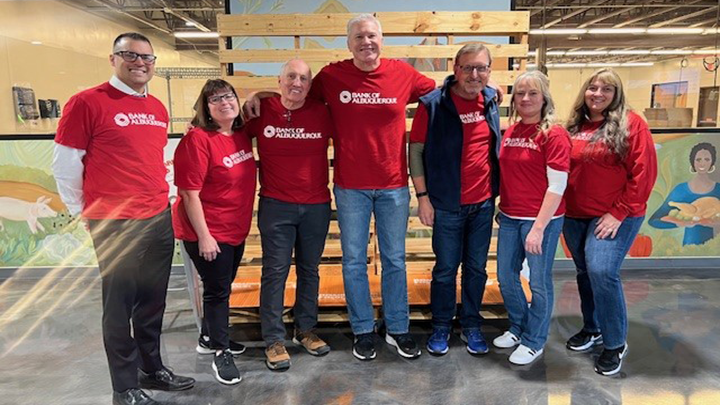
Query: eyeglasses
[
  {"x": 470, "y": 68},
  {"x": 219, "y": 99},
  {"x": 129, "y": 56}
]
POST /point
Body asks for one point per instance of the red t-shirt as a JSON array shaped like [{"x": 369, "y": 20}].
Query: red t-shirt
[
  {"x": 223, "y": 169},
  {"x": 475, "y": 161},
  {"x": 600, "y": 183},
  {"x": 523, "y": 165},
  {"x": 368, "y": 112},
  {"x": 124, "y": 137},
  {"x": 292, "y": 146}
]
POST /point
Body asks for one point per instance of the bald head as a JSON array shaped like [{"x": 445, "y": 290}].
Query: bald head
[{"x": 294, "y": 80}]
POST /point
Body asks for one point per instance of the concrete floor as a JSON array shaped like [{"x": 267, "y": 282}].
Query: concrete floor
[{"x": 51, "y": 353}]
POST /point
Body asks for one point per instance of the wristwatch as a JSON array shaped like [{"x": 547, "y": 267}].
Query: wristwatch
[{"x": 423, "y": 194}]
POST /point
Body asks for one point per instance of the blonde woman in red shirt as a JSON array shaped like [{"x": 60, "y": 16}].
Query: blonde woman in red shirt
[
  {"x": 613, "y": 167},
  {"x": 534, "y": 162}
]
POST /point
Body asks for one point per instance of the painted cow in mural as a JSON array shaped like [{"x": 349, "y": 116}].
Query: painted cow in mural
[{"x": 14, "y": 209}]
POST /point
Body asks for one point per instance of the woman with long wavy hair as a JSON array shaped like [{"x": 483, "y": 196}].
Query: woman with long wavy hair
[{"x": 613, "y": 167}]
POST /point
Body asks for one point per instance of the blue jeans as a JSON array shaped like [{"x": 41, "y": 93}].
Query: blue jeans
[
  {"x": 391, "y": 209},
  {"x": 530, "y": 324},
  {"x": 460, "y": 237},
  {"x": 598, "y": 264}
]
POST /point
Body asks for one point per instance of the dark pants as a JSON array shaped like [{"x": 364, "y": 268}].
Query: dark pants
[
  {"x": 460, "y": 237},
  {"x": 217, "y": 277},
  {"x": 598, "y": 263},
  {"x": 134, "y": 257},
  {"x": 284, "y": 226}
]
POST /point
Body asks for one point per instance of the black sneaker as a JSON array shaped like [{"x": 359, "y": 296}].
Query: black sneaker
[
  {"x": 610, "y": 361},
  {"x": 405, "y": 345},
  {"x": 203, "y": 346},
  {"x": 364, "y": 346},
  {"x": 165, "y": 380},
  {"x": 133, "y": 396},
  {"x": 583, "y": 340},
  {"x": 224, "y": 368}
]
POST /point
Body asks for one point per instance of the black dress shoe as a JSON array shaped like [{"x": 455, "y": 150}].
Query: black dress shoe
[
  {"x": 165, "y": 380},
  {"x": 133, "y": 396}
]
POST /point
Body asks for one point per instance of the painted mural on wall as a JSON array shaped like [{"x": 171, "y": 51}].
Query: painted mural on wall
[
  {"x": 36, "y": 230},
  {"x": 35, "y": 226}
]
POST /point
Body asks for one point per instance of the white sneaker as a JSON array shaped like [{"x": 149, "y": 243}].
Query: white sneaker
[
  {"x": 506, "y": 340},
  {"x": 524, "y": 355}
]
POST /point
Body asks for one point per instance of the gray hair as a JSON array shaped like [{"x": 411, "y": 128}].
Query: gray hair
[
  {"x": 286, "y": 64},
  {"x": 363, "y": 17},
  {"x": 473, "y": 48},
  {"x": 542, "y": 83}
]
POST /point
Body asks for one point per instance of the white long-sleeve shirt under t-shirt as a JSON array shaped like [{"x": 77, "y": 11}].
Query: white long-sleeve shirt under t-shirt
[{"x": 68, "y": 167}]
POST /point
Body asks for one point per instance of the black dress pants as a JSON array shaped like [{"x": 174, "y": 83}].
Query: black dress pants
[{"x": 134, "y": 256}]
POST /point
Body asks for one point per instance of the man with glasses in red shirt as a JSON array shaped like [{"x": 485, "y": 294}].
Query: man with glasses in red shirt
[{"x": 109, "y": 167}]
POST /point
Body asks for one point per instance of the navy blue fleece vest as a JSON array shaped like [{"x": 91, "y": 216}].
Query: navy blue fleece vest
[{"x": 443, "y": 146}]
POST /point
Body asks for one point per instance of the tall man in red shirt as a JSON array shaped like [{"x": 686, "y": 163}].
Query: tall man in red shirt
[
  {"x": 454, "y": 146},
  {"x": 108, "y": 164},
  {"x": 367, "y": 96},
  {"x": 292, "y": 135}
]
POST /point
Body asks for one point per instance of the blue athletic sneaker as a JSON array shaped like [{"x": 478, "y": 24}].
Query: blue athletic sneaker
[
  {"x": 475, "y": 341},
  {"x": 438, "y": 342}
]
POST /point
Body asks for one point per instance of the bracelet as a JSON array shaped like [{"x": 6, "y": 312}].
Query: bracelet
[{"x": 423, "y": 194}]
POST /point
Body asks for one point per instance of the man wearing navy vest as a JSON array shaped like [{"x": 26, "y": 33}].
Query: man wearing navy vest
[{"x": 454, "y": 146}]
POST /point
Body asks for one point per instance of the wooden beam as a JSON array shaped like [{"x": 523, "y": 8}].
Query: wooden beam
[
  {"x": 502, "y": 78},
  {"x": 397, "y": 52},
  {"x": 393, "y": 23}
]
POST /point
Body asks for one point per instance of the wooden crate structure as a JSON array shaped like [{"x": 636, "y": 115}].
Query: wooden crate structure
[{"x": 446, "y": 25}]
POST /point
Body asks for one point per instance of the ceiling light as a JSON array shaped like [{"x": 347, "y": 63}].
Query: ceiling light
[
  {"x": 617, "y": 31},
  {"x": 711, "y": 31},
  {"x": 566, "y": 65},
  {"x": 195, "y": 34},
  {"x": 559, "y": 31},
  {"x": 675, "y": 30},
  {"x": 36, "y": 42},
  {"x": 585, "y": 53},
  {"x": 672, "y": 52},
  {"x": 638, "y": 64},
  {"x": 555, "y": 53},
  {"x": 601, "y": 64},
  {"x": 190, "y": 24},
  {"x": 706, "y": 51},
  {"x": 630, "y": 52}
]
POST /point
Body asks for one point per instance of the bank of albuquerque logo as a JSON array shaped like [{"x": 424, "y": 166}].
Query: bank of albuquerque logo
[
  {"x": 122, "y": 120},
  {"x": 269, "y": 131},
  {"x": 345, "y": 97}
]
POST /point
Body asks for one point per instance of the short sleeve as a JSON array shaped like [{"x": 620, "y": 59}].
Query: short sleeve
[
  {"x": 75, "y": 128},
  {"x": 191, "y": 161},
  {"x": 418, "y": 132},
  {"x": 422, "y": 85},
  {"x": 557, "y": 149},
  {"x": 316, "y": 88}
]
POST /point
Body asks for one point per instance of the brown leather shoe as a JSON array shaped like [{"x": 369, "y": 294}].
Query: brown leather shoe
[
  {"x": 278, "y": 358},
  {"x": 312, "y": 343}
]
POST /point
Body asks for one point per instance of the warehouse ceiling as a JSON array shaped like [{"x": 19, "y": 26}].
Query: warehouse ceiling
[{"x": 166, "y": 17}]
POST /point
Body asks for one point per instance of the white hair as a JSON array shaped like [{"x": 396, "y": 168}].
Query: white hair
[{"x": 363, "y": 17}]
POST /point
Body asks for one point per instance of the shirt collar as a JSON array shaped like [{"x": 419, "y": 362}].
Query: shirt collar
[{"x": 118, "y": 84}]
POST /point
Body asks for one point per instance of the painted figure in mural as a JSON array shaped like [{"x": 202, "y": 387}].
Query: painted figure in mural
[
  {"x": 215, "y": 176},
  {"x": 14, "y": 209},
  {"x": 694, "y": 205},
  {"x": 534, "y": 162},
  {"x": 367, "y": 96},
  {"x": 108, "y": 164},
  {"x": 613, "y": 167},
  {"x": 454, "y": 145},
  {"x": 292, "y": 136}
]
